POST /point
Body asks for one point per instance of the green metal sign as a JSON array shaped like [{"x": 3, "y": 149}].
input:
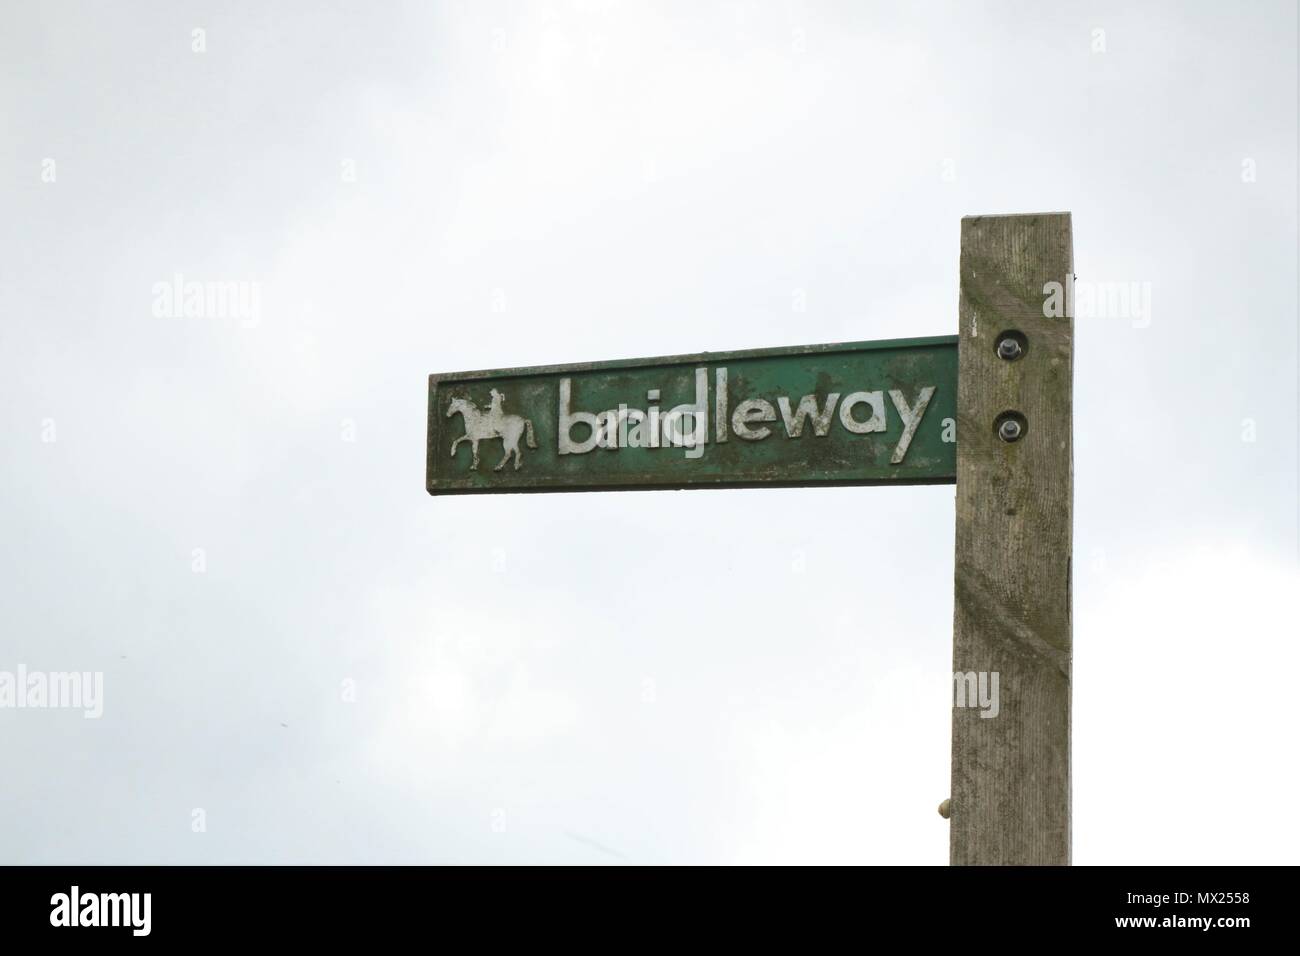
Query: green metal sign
[{"x": 858, "y": 413}]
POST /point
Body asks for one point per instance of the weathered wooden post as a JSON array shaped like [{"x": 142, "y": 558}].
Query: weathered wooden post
[{"x": 1010, "y": 798}]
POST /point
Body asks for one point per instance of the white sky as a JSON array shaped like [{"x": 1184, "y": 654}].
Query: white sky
[{"x": 630, "y": 179}]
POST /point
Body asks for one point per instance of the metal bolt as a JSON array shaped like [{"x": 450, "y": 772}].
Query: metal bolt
[
  {"x": 1010, "y": 430},
  {"x": 1010, "y": 349}
]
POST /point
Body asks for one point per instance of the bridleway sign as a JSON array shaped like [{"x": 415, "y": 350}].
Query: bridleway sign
[
  {"x": 989, "y": 409},
  {"x": 861, "y": 413}
]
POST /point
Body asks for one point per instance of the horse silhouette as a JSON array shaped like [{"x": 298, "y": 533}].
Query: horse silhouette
[{"x": 493, "y": 423}]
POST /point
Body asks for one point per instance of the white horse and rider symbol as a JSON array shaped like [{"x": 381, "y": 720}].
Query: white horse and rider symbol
[{"x": 494, "y": 423}]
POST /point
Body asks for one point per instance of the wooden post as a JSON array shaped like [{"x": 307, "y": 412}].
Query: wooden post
[{"x": 1010, "y": 799}]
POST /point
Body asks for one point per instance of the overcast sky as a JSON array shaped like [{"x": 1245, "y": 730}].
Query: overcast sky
[{"x": 308, "y": 659}]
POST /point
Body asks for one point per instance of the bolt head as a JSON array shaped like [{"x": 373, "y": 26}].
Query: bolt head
[
  {"x": 1009, "y": 430},
  {"x": 1010, "y": 349}
]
